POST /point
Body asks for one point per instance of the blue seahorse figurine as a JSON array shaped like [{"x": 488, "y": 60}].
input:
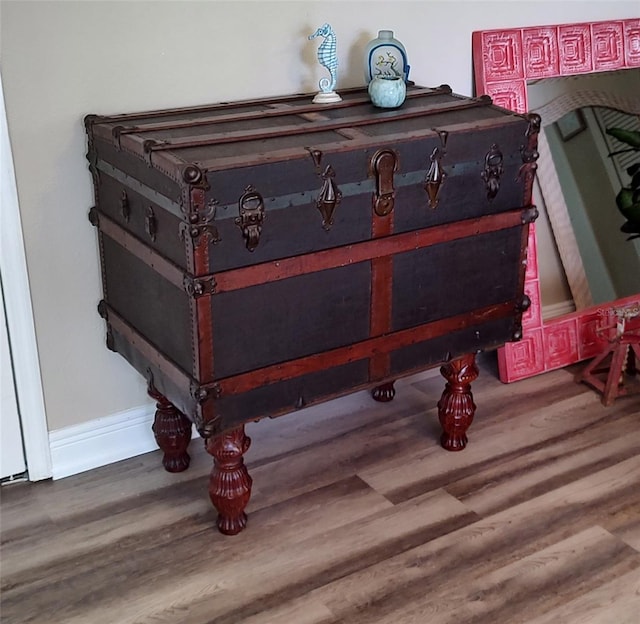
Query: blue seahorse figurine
[{"x": 327, "y": 57}]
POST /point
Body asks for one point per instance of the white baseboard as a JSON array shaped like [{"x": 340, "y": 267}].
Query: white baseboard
[{"x": 102, "y": 441}]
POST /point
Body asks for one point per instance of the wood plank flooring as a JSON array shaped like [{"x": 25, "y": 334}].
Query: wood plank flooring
[{"x": 357, "y": 516}]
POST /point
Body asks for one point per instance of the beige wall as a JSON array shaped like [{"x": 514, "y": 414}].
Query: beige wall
[{"x": 62, "y": 60}]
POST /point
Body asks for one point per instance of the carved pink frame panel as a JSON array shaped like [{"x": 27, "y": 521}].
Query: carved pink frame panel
[{"x": 503, "y": 62}]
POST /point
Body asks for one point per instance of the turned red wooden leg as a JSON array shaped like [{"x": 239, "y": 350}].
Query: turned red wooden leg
[
  {"x": 456, "y": 407},
  {"x": 384, "y": 392},
  {"x": 172, "y": 430},
  {"x": 230, "y": 483}
]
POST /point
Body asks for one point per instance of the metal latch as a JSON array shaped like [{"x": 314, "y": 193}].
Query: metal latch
[
  {"x": 151, "y": 223},
  {"x": 125, "y": 208},
  {"x": 252, "y": 215},
  {"x": 383, "y": 165},
  {"x": 436, "y": 175},
  {"x": 493, "y": 170},
  {"x": 330, "y": 196}
]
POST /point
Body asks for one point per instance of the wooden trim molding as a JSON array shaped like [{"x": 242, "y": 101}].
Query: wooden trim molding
[{"x": 17, "y": 299}]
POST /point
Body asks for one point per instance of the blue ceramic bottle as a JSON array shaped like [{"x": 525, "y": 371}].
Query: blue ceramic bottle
[{"x": 385, "y": 56}]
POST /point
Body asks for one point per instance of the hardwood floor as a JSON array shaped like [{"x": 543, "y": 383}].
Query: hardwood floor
[{"x": 357, "y": 515}]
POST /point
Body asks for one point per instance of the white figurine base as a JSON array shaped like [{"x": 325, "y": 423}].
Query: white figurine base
[{"x": 326, "y": 98}]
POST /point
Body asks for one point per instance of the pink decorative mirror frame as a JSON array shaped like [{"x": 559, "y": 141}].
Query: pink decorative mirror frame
[{"x": 504, "y": 60}]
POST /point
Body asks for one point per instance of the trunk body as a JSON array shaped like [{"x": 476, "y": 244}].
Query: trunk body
[{"x": 261, "y": 256}]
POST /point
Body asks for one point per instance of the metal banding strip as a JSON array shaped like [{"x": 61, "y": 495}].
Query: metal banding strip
[
  {"x": 273, "y": 203},
  {"x": 148, "y": 193},
  {"x": 305, "y": 198},
  {"x": 411, "y": 178},
  {"x": 301, "y": 198}
]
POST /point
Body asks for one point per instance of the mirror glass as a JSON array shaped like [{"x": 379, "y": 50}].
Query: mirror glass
[{"x": 591, "y": 127}]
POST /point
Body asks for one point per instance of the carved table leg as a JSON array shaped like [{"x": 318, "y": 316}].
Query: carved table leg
[
  {"x": 456, "y": 407},
  {"x": 172, "y": 430},
  {"x": 384, "y": 392},
  {"x": 230, "y": 483}
]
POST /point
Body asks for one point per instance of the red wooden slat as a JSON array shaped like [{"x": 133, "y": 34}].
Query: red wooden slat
[
  {"x": 235, "y": 279},
  {"x": 381, "y": 296},
  {"x": 361, "y": 350}
]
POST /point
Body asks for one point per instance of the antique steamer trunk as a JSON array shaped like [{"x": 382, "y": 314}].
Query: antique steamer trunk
[{"x": 264, "y": 255}]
